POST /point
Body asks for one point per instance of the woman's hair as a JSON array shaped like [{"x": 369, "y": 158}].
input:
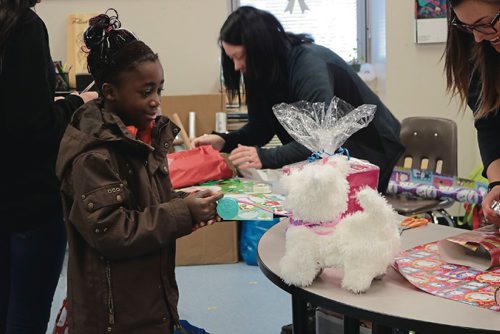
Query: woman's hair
[
  {"x": 10, "y": 12},
  {"x": 465, "y": 58},
  {"x": 266, "y": 45},
  {"x": 111, "y": 50}
]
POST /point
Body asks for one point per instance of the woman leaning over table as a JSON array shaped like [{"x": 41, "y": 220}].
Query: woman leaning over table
[
  {"x": 472, "y": 66},
  {"x": 279, "y": 66}
]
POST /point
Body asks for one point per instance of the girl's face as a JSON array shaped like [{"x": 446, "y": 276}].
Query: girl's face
[
  {"x": 136, "y": 97},
  {"x": 476, "y": 12},
  {"x": 237, "y": 54}
]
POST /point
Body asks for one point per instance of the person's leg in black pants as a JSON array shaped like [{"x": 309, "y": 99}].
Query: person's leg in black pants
[
  {"x": 4, "y": 278},
  {"x": 31, "y": 264}
]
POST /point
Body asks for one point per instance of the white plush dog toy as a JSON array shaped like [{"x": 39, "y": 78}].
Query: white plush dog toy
[{"x": 363, "y": 243}]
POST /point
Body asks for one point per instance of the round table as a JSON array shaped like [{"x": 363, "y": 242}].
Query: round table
[{"x": 391, "y": 302}]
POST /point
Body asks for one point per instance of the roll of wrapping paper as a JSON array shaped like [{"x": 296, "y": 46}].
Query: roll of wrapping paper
[
  {"x": 220, "y": 122},
  {"x": 192, "y": 125},
  {"x": 184, "y": 136}
]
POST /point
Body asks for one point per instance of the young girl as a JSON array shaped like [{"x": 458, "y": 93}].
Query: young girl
[{"x": 121, "y": 213}]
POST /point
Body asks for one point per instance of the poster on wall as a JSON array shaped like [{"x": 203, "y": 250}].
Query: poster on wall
[
  {"x": 430, "y": 21},
  {"x": 77, "y": 23}
]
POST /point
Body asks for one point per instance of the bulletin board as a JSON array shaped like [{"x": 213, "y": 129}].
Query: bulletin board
[{"x": 76, "y": 58}]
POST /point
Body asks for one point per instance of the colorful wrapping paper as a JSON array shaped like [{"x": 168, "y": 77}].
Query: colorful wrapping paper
[
  {"x": 425, "y": 184},
  {"x": 478, "y": 249},
  {"x": 244, "y": 199},
  {"x": 423, "y": 267},
  {"x": 251, "y": 206}
]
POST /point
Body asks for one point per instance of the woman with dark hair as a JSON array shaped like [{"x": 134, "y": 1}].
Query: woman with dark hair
[
  {"x": 472, "y": 66},
  {"x": 283, "y": 67},
  {"x": 121, "y": 213},
  {"x": 32, "y": 235}
]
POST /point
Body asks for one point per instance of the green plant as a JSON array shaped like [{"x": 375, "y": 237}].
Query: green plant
[{"x": 355, "y": 60}]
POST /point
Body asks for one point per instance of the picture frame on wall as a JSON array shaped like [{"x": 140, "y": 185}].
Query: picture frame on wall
[{"x": 430, "y": 21}]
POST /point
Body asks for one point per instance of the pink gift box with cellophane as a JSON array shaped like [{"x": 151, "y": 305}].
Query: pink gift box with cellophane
[
  {"x": 323, "y": 129},
  {"x": 361, "y": 174}
]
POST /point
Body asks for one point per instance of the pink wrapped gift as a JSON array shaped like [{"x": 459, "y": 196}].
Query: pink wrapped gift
[{"x": 362, "y": 174}]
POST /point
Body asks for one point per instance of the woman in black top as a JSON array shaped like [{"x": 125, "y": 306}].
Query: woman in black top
[
  {"x": 283, "y": 67},
  {"x": 472, "y": 65},
  {"x": 32, "y": 236}
]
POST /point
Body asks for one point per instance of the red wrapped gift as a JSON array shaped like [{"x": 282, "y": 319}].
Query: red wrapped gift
[{"x": 197, "y": 165}]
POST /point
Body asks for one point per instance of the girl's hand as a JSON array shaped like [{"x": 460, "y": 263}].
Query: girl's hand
[{"x": 202, "y": 206}]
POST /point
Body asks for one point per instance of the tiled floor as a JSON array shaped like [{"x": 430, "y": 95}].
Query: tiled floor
[{"x": 222, "y": 299}]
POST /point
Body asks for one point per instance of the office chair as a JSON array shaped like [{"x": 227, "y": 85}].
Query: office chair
[{"x": 431, "y": 144}]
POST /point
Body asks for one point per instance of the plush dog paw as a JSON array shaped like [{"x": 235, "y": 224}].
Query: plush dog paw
[
  {"x": 299, "y": 266},
  {"x": 298, "y": 271},
  {"x": 356, "y": 280},
  {"x": 356, "y": 286}
]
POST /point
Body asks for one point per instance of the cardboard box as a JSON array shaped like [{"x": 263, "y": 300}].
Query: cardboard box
[
  {"x": 217, "y": 243},
  {"x": 213, "y": 244},
  {"x": 205, "y": 107}
]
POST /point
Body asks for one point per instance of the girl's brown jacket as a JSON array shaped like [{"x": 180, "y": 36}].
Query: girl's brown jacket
[{"x": 122, "y": 218}]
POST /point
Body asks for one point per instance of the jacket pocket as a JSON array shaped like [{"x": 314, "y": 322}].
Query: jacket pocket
[
  {"x": 110, "y": 302},
  {"x": 114, "y": 194}
]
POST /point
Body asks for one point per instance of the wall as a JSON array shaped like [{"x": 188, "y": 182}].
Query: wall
[
  {"x": 415, "y": 83},
  {"x": 183, "y": 32}
]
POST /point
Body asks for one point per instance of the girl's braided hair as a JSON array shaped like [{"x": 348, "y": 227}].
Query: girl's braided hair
[{"x": 112, "y": 49}]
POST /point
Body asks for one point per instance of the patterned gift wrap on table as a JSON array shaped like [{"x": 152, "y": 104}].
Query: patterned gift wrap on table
[{"x": 423, "y": 267}]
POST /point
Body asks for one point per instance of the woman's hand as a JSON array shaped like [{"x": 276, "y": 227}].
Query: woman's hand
[
  {"x": 490, "y": 215},
  {"x": 493, "y": 174},
  {"x": 216, "y": 141},
  {"x": 245, "y": 157},
  {"x": 88, "y": 96}
]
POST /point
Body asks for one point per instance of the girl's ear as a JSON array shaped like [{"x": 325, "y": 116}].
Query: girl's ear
[{"x": 109, "y": 92}]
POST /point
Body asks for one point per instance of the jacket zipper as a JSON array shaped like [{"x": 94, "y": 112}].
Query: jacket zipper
[{"x": 111, "y": 308}]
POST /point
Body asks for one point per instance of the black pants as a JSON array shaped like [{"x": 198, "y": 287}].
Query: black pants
[{"x": 30, "y": 265}]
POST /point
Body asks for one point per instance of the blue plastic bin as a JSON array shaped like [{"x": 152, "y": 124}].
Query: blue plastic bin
[{"x": 251, "y": 232}]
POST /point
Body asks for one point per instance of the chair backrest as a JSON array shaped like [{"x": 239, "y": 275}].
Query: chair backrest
[{"x": 431, "y": 143}]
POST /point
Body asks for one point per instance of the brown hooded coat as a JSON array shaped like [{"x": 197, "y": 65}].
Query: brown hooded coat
[{"x": 122, "y": 218}]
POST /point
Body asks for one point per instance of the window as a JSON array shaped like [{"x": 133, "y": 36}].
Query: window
[{"x": 339, "y": 25}]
